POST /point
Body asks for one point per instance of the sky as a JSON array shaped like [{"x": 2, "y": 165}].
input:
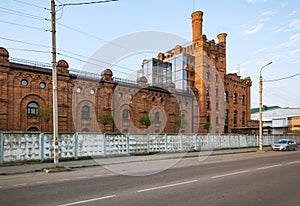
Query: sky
[{"x": 259, "y": 31}]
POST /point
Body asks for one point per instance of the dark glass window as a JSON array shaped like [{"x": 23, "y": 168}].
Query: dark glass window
[
  {"x": 243, "y": 100},
  {"x": 42, "y": 85},
  {"x": 243, "y": 119},
  {"x": 24, "y": 82},
  {"x": 156, "y": 117},
  {"x": 226, "y": 97},
  {"x": 32, "y": 108},
  {"x": 235, "y": 98},
  {"x": 85, "y": 112},
  {"x": 125, "y": 114},
  {"x": 235, "y": 118}
]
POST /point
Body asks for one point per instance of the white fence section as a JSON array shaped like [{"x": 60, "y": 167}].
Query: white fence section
[{"x": 33, "y": 146}]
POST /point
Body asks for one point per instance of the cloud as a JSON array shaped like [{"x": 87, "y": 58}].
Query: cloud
[
  {"x": 254, "y": 29},
  {"x": 260, "y": 50},
  {"x": 293, "y": 41},
  {"x": 295, "y": 53},
  {"x": 283, "y": 4},
  {"x": 255, "y": 1},
  {"x": 291, "y": 26},
  {"x": 293, "y": 13},
  {"x": 268, "y": 13}
]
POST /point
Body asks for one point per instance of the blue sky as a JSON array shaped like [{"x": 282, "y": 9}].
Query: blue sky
[{"x": 259, "y": 31}]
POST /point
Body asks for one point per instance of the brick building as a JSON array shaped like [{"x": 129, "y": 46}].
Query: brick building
[
  {"x": 188, "y": 90},
  {"x": 26, "y": 100},
  {"x": 224, "y": 99}
]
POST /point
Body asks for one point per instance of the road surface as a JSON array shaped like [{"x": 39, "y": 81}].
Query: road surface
[{"x": 262, "y": 178}]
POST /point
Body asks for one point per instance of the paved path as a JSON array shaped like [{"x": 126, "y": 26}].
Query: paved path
[{"x": 8, "y": 170}]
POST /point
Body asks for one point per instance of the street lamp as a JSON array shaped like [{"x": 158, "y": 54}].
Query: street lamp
[{"x": 260, "y": 108}]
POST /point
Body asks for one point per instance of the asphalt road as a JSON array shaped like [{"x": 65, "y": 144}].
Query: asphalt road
[{"x": 267, "y": 178}]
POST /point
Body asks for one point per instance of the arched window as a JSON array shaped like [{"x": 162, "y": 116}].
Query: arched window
[
  {"x": 32, "y": 129},
  {"x": 85, "y": 112},
  {"x": 226, "y": 97},
  {"x": 156, "y": 117},
  {"x": 125, "y": 131},
  {"x": 235, "y": 118},
  {"x": 243, "y": 100},
  {"x": 235, "y": 98},
  {"x": 243, "y": 119},
  {"x": 125, "y": 115},
  {"x": 207, "y": 105},
  {"x": 32, "y": 108}
]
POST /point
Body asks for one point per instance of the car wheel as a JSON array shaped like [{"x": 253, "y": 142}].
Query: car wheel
[
  {"x": 287, "y": 148},
  {"x": 294, "y": 148}
]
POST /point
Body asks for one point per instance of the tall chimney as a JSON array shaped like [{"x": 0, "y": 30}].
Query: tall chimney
[{"x": 197, "y": 25}]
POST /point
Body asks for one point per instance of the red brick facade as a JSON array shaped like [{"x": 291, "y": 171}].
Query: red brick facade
[{"x": 216, "y": 97}]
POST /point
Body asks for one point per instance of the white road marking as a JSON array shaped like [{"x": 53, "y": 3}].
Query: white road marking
[
  {"x": 295, "y": 162},
  {"x": 62, "y": 180},
  {"x": 89, "y": 200},
  {"x": 97, "y": 175},
  {"x": 166, "y": 186},
  {"x": 268, "y": 167},
  {"x": 42, "y": 182},
  {"x": 229, "y": 174},
  {"x": 82, "y": 177},
  {"x": 17, "y": 185}
]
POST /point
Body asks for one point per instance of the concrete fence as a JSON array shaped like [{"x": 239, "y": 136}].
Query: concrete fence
[{"x": 32, "y": 146}]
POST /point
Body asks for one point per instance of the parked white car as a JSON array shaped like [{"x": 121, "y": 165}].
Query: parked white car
[{"x": 284, "y": 144}]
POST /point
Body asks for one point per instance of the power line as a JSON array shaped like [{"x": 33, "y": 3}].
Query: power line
[
  {"x": 288, "y": 77},
  {"x": 22, "y": 25},
  {"x": 85, "y": 3},
  {"x": 29, "y": 4},
  {"x": 19, "y": 13}
]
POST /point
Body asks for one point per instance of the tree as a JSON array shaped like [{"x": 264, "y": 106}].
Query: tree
[
  {"x": 105, "y": 119},
  {"x": 145, "y": 120},
  {"x": 45, "y": 113},
  {"x": 207, "y": 126},
  {"x": 181, "y": 122}
]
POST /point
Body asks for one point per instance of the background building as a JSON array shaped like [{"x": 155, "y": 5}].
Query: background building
[{"x": 279, "y": 120}]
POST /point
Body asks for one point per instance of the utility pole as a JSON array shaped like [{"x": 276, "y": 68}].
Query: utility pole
[
  {"x": 260, "y": 108},
  {"x": 54, "y": 72},
  {"x": 54, "y": 82}
]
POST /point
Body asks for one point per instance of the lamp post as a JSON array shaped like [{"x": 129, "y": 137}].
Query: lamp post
[{"x": 260, "y": 108}]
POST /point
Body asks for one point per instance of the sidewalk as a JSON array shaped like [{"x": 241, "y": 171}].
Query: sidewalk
[{"x": 36, "y": 167}]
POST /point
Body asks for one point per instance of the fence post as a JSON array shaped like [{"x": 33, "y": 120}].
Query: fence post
[
  {"x": 166, "y": 143},
  {"x": 42, "y": 145},
  {"x": 1, "y": 148},
  {"x": 104, "y": 144},
  {"x": 76, "y": 145},
  {"x": 128, "y": 145},
  {"x": 196, "y": 138},
  {"x": 148, "y": 144}
]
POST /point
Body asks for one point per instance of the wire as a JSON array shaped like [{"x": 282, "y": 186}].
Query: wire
[
  {"x": 29, "y": 50},
  {"x": 19, "y": 13},
  {"x": 288, "y": 77},
  {"x": 29, "y": 4},
  {"x": 25, "y": 26},
  {"x": 22, "y": 42},
  {"x": 84, "y": 3}
]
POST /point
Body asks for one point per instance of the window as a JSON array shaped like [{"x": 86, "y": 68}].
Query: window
[
  {"x": 32, "y": 129},
  {"x": 125, "y": 114},
  {"x": 226, "y": 97},
  {"x": 208, "y": 118},
  {"x": 207, "y": 76},
  {"x": 125, "y": 131},
  {"x": 243, "y": 100},
  {"x": 24, "y": 82},
  {"x": 217, "y": 121},
  {"x": 235, "y": 118},
  {"x": 226, "y": 117},
  {"x": 42, "y": 85},
  {"x": 85, "y": 130},
  {"x": 156, "y": 117},
  {"x": 234, "y": 98},
  {"x": 85, "y": 112},
  {"x": 217, "y": 105},
  {"x": 207, "y": 105},
  {"x": 32, "y": 108},
  {"x": 78, "y": 90},
  {"x": 217, "y": 77},
  {"x": 243, "y": 119},
  {"x": 92, "y": 91},
  {"x": 207, "y": 91},
  {"x": 217, "y": 92}
]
